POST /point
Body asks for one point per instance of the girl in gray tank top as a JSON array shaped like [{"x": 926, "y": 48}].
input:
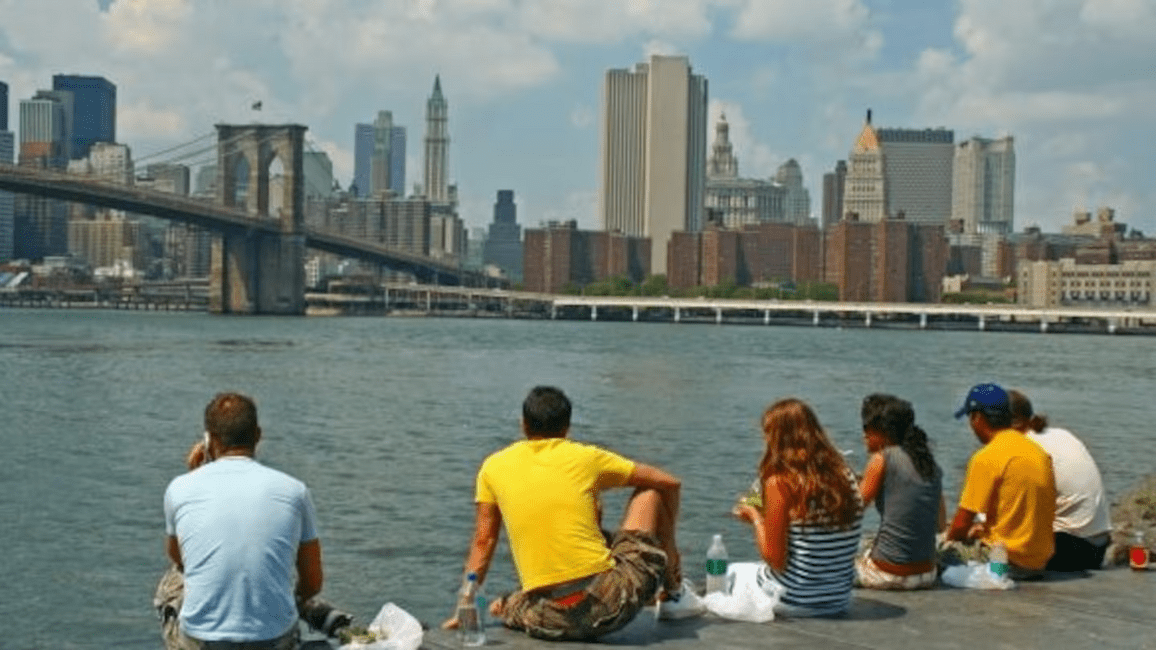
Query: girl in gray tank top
[{"x": 905, "y": 482}]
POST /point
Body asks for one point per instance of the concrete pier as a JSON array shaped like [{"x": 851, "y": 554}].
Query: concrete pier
[{"x": 1104, "y": 610}]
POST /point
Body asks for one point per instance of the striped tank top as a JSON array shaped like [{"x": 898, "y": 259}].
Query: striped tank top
[{"x": 820, "y": 568}]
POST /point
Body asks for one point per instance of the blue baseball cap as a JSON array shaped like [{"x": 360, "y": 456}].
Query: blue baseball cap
[{"x": 989, "y": 399}]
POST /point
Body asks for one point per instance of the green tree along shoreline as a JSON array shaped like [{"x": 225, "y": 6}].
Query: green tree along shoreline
[{"x": 656, "y": 286}]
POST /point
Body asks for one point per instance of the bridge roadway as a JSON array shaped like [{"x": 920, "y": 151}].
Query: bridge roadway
[
  {"x": 461, "y": 301},
  {"x": 211, "y": 216}
]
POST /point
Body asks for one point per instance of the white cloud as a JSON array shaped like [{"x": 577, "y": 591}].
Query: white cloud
[
  {"x": 814, "y": 21},
  {"x": 582, "y": 116},
  {"x": 145, "y": 27},
  {"x": 602, "y": 21},
  {"x": 142, "y": 121}
]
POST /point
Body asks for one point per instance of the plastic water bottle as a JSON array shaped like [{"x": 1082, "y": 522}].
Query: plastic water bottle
[
  {"x": 716, "y": 565},
  {"x": 470, "y": 629},
  {"x": 997, "y": 559}
]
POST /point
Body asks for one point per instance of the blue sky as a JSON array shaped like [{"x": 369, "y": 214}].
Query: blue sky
[{"x": 1073, "y": 80}]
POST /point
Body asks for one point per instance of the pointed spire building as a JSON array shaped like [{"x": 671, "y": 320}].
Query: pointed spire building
[{"x": 437, "y": 145}]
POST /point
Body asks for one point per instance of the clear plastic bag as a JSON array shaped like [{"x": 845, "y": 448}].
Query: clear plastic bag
[
  {"x": 399, "y": 629},
  {"x": 688, "y": 604},
  {"x": 975, "y": 575},
  {"x": 744, "y": 599}
]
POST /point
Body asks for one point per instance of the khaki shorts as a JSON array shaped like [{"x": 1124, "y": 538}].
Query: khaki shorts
[
  {"x": 611, "y": 600},
  {"x": 869, "y": 575}
]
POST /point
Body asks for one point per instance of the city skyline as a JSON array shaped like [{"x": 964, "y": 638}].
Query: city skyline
[{"x": 525, "y": 83}]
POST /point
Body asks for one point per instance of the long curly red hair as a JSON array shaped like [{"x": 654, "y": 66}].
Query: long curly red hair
[{"x": 800, "y": 454}]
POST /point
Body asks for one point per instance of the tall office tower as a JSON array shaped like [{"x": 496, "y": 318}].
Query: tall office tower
[
  {"x": 111, "y": 162},
  {"x": 362, "y": 159},
  {"x": 503, "y": 247},
  {"x": 437, "y": 146},
  {"x": 654, "y": 152},
  {"x": 169, "y": 177},
  {"x": 833, "y": 184},
  {"x": 983, "y": 191},
  {"x": 7, "y": 199},
  {"x": 397, "y": 160},
  {"x": 901, "y": 172},
  {"x": 94, "y": 111},
  {"x": 40, "y": 225},
  {"x": 3, "y": 106},
  {"x": 379, "y": 165},
  {"x": 722, "y": 163},
  {"x": 797, "y": 200}
]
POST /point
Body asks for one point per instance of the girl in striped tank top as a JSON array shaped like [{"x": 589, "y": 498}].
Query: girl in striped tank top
[{"x": 808, "y": 528}]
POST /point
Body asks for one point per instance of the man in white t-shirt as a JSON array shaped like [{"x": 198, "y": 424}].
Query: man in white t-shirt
[{"x": 1082, "y": 525}]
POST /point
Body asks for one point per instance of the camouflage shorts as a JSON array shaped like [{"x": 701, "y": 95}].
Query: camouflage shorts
[{"x": 607, "y": 604}]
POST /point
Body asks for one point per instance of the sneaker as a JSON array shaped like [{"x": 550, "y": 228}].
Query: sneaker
[{"x": 683, "y": 603}]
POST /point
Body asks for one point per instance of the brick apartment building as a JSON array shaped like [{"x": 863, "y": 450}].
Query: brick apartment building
[
  {"x": 560, "y": 255},
  {"x": 887, "y": 261},
  {"x": 754, "y": 254}
]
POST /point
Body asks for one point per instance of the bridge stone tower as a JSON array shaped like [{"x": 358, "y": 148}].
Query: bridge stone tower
[{"x": 255, "y": 272}]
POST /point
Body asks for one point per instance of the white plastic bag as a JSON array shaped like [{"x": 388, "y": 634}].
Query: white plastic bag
[
  {"x": 744, "y": 600},
  {"x": 401, "y": 631},
  {"x": 975, "y": 575}
]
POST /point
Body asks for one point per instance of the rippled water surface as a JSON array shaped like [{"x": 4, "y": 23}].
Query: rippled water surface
[{"x": 387, "y": 420}]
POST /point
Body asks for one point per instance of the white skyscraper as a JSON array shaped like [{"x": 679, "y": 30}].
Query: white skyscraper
[
  {"x": 796, "y": 199},
  {"x": 654, "y": 152},
  {"x": 437, "y": 146},
  {"x": 983, "y": 192}
]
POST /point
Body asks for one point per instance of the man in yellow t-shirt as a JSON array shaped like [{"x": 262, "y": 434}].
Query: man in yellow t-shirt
[
  {"x": 545, "y": 489},
  {"x": 1010, "y": 481}
]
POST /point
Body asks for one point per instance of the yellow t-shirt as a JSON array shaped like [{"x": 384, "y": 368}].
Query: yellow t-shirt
[
  {"x": 546, "y": 491},
  {"x": 1010, "y": 480}
]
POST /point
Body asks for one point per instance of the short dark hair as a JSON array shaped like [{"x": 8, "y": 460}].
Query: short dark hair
[
  {"x": 546, "y": 412},
  {"x": 231, "y": 419},
  {"x": 996, "y": 419}
]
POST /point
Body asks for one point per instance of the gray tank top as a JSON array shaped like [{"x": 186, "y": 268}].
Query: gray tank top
[{"x": 908, "y": 507}]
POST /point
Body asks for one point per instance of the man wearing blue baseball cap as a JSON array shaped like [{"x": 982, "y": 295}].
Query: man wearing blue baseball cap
[{"x": 1010, "y": 481}]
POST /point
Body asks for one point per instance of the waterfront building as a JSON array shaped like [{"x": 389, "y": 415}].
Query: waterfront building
[
  {"x": 559, "y": 256},
  {"x": 93, "y": 116},
  {"x": 362, "y": 160},
  {"x": 796, "y": 198},
  {"x": 503, "y": 244},
  {"x": 887, "y": 261},
  {"x": 206, "y": 182},
  {"x": 379, "y": 180},
  {"x": 40, "y": 225},
  {"x": 983, "y": 186},
  {"x": 437, "y": 146},
  {"x": 3, "y": 106},
  {"x": 111, "y": 163},
  {"x": 653, "y": 152},
  {"x": 900, "y": 173},
  {"x": 108, "y": 242},
  {"x": 397, "y": 160},
  {"x": 7, "y": 199},
  {"x": 1068, "y": 283},
  {"x": 166, "y": 177},
  {"x": 834, "y": 183},
  {"x": 756, "y": 254},
  {"x": 733, "y": 202}
]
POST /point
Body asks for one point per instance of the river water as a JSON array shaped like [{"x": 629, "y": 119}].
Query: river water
[{"x": 387, "y": 419}]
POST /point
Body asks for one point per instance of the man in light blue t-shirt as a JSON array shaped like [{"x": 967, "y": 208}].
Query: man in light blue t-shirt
[{"x": 242, "y": 533}]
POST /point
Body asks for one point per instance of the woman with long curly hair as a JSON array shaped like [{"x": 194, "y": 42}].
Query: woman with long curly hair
[
  {"x": 906, "y": 484},
  {"x": 807, "y": 530}
]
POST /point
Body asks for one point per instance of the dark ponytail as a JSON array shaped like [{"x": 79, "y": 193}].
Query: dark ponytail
[{"x": 895, "y": 419}]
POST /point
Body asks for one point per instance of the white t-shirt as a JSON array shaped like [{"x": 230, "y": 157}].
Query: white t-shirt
[{"x": 1081, "y": 507}]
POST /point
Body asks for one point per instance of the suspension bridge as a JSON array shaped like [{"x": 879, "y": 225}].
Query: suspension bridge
[{"x": 258, "y": 250}]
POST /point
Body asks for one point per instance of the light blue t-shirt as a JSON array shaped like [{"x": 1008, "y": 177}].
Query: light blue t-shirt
[{"x": 239, "y": 524}]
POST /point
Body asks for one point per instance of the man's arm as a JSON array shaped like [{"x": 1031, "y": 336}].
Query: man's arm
[
  {"x": 173, "y": 548},
  {"x": 309, "y": 575},
  {"x": 487, "y": 525}
]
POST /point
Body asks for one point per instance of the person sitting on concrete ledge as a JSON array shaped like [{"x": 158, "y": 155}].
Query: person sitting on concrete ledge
[
  {"x": 544, "y": 490},
  {"x": 1082, "y": 524},
  {"x": 1010, "y": 481}
]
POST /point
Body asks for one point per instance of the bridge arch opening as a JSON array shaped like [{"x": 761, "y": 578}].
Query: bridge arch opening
[
  {"x": 275, "y": 172},
  {"x": 240, "y": 184}
]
